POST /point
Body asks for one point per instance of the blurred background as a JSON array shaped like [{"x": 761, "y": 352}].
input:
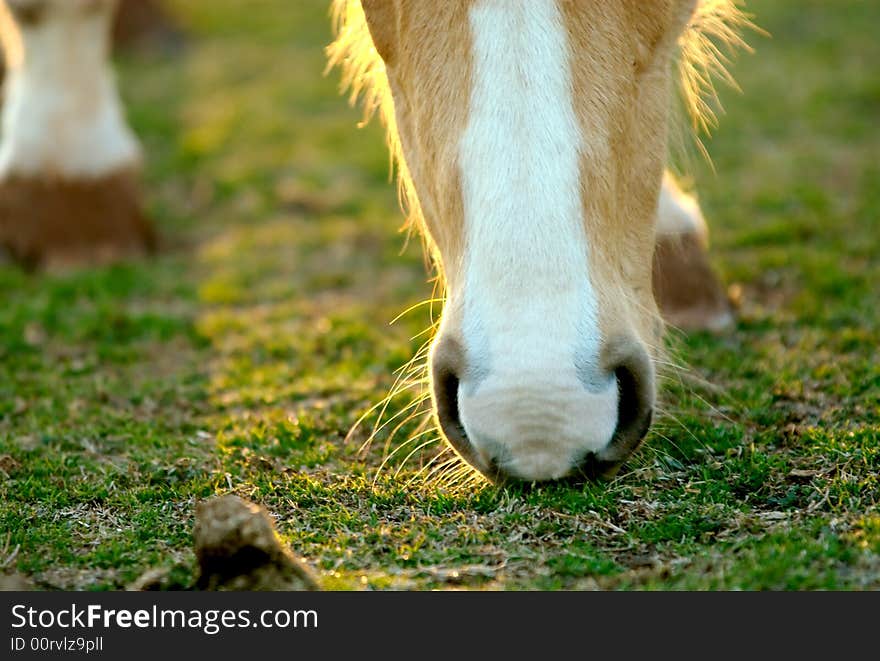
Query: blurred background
[{"x": 240, "y": 356}]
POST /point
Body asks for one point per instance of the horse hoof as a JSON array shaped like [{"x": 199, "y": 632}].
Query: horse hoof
[
  {"x": 688, "y": 292},
  {"x": 56, "y": 224}
]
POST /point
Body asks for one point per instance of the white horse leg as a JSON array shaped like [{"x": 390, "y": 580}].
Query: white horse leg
[
  {"x": 688, "y": 293},
  {"x": 69, "y": 163}
]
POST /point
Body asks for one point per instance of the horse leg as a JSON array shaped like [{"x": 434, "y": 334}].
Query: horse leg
[
  {"x": 69, "y": 163},
  {"x": 687, "y": 290}
]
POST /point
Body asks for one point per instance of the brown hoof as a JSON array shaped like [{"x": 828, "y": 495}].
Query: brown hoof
[
  {"x": 687, "y": 291},
  {"x": 65, "y": 223}
]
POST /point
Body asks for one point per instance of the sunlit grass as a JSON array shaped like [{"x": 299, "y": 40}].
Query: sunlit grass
[{"x": 276, "y": 347}]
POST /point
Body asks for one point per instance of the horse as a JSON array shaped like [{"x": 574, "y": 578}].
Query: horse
[
  {"x": 532, "y": 144},
  {"x": 69, "y": 162}
]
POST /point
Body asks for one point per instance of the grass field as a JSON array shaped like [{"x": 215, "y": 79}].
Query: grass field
[{"x": 240, "y": 358}]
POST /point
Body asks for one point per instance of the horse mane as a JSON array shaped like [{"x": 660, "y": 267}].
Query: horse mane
[
  {"x": 363, "y": 77},
  {"x": 10, "y": 40},
  {"x": 713, "y": 33}
]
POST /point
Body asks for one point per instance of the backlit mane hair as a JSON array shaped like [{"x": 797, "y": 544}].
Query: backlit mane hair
[
  {"x": 713, "y": 32},
  {"x": 10, "y": 40}
]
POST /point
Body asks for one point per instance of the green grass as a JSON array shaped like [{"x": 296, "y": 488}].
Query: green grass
[{"x": 240, "y": 358}]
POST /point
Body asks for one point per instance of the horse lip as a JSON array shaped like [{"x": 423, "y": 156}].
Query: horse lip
[
  {"x": 593, "y": 468},
  {"x": 634, "y": 372},
  {"x": 457, "y": 436}
]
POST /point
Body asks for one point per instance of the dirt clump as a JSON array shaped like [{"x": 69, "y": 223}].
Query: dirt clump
[{"x": 238, "y": 548}]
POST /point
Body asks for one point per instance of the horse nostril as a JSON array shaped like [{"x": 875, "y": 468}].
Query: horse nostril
[
  {"x": 635, "y": 385},
  {"x": 446, "y": 402},
  {"x": 446, "y": 365},
  {"x": 633, "y": 413}
]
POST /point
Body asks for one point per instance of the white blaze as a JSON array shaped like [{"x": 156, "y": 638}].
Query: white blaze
[
  {"x": 530, "y": 320},
  {"x": 62, "y": 114}
]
